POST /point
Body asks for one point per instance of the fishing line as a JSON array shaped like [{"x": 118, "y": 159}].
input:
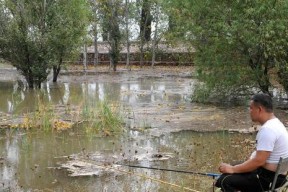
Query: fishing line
[
  {"x": 141, "y": 175},
  {"x": 156, "y": 180},
  {"x": 213, "y": 175}
]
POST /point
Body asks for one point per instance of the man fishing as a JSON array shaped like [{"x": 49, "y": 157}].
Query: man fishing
[{"x": 257, "y": 173}]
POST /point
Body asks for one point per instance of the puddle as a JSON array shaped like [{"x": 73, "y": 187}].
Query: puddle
[
  {"x": 31, "y": 161},
  {"x": 164, "y": 130}
]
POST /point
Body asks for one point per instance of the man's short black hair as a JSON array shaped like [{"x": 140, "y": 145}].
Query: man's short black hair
[{"x": 264, "y": 100}]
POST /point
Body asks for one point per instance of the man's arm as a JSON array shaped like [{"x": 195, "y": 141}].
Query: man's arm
[{"x": 249, "y": 165}]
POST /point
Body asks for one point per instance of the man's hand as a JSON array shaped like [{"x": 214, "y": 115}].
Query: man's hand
[
  {"x": 250, "y": 165},
  {"x": 226, "y": 168}
]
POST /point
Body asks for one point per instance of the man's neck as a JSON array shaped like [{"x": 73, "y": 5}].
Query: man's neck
[{"x": 267, "y": 117}]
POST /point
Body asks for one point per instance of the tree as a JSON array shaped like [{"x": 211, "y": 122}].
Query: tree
[
  {"x": 237, "y": 42},
  {"x": 110, "y": 10},
  {"x": 154, "y": 43},
  {"x": 161, "y": 27},
  {"x": 39, "y": 34},
  {"x": 23, "y": 40},
  {"x": 144, "y": 25},
  {"x": 127, "y": 4},
  {"x": 95, "y": 31},
  {"x": 146, "y": 21},
  {"x": 114, "y": 34},
  {"x": 68, "y": 21},
  {"x": 283, "y": 75}
]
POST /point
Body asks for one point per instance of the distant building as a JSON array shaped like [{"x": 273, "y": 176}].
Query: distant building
[{"x": 165, "y": 54}]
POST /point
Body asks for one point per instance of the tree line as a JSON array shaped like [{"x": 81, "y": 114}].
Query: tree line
[
  {"x": 37, "y": 36},
  {"x": 240, "y": 45}
]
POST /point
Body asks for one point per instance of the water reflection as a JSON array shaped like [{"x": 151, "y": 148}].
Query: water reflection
[
  {"x": 29, "y": 157},
  {"x": 159, "y": 105},
  {"x": 15, "y": 99}
]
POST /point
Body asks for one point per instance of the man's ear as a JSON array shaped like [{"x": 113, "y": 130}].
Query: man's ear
[{"x": 261, "y": 108}]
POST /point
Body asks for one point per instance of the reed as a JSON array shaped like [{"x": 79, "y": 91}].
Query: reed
[
  {"x": 45, "y": 114},
  {"x": 99, "y": 117},
  {"x": 41, "y": 118},
  {"x": 102, "y": 117}
]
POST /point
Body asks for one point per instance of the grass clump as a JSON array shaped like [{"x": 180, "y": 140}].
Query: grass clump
[
  {"x": 96, "y": 117},
  {"x": 44, "y": 117},
  {"x": 103, "y": 118}
]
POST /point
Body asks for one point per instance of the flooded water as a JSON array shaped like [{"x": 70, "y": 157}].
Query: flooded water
[
  {"x": 28, "y": 157},
  {"x": 160, "y": 120}
]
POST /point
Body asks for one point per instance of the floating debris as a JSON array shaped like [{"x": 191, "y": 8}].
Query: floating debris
[
  {"x": 99, "y": 164},
  {"x": 83, "y": 168}
]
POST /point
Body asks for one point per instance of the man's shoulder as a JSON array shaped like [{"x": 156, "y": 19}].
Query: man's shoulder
[{"x": 273, "y": 123}]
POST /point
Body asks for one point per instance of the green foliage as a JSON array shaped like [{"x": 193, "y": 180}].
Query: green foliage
[
  {"x": 22, "y": 40},
  {"x": 44, "y": 116},
  {"x": 146, "y": 21},
  {"x": 110, "y": 11},
  {"x": 35, "y": 35},
  {"x": 237, "y": 42},
  {"x": 68, "y": 21},
  {"x": 283, "y": 75},
  {"x": 102, "y": 118}
]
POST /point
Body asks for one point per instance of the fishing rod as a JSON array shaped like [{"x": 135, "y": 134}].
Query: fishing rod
[
  {"x": 142, "y": 176},
  {"x": 213, "y": 175}
]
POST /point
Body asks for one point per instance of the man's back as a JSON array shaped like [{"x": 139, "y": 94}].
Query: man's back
[{"x": 273, "y": 137}]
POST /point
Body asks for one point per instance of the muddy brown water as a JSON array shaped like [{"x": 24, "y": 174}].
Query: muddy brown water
[{"x": 161, "y": 122}]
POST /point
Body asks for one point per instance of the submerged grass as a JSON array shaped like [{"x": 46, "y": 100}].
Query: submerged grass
[
  {"x": 98, "y": 117},
  {"x": 44, "y": 117},
  {"x": 102, "y": 117}
]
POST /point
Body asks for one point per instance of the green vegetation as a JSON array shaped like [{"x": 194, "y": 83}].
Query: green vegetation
[
  {"x": 110, "y": 14},
  {"x": 96, "y": 118},
  {"x": 102, "y": 118},
  {"x": 44, "y": 117},
  {"x": 237, "y": 43},
  {"x": 37, "y": 35}
]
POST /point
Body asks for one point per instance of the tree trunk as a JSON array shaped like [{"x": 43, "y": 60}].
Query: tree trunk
[
  {"x": 262, "y": 77},
  {"x": 30, "y": 81},
  {"x": 114, "y": 53},
  {"x": 85, "y": 57},
  {"x": 141, "y": 53},
  {"x": 56, "y": 71},
  {"x": 265, "y": 82},
  {"x": 283, "y": 77},
  {"x": 96, "y": 54},
  {"x": 146, "y": 20},
  {"x": 96, "y": 61},
  {"x": 114, "y": 35},
  {"x": 145, "y": 28},
  {"x": 38, "y": 84},
  {"x": 127, "y": 33},
  {"x": 155, "y": 36}
]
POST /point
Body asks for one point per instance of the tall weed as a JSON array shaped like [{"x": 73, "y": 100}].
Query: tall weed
[{"x": 102, "y": 117}]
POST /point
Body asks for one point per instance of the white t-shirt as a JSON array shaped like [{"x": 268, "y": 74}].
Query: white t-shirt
[{"x": 273, "y": 137}]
